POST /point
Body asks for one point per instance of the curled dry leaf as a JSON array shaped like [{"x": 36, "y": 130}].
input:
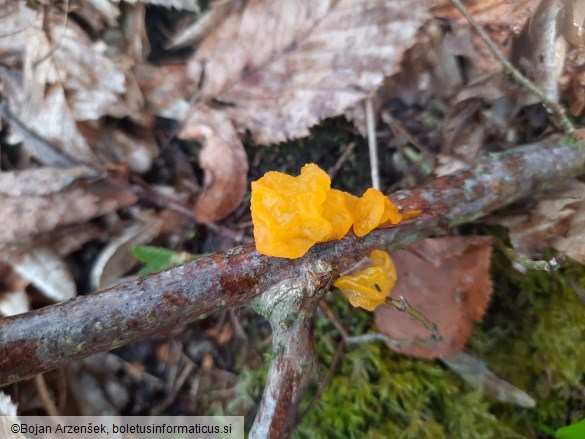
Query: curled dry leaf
[
  {"x": 41, "y": 181},
  {"x": 446, "y": 279},
  {"x": 116, "y": 259},
  {"x": 8, "y": 417},
  {"x": 557, "y": 220},
  {"x": 15, "y": 19},
  {"x": 44, "y": 268},
  {"x": 54, "y": 203},
  {"x": 13, "y": 302},
  {"x": 66, "y": 78},
  {"x": 502, "y": 17},
  {"x": 543, "y": 52},
  {"x": 105, "y": 8},
  {"x": 209, "y": 20},
  {"x": 224, "y": 160},
  {"x": 136, "y": 150},
  {"x": 13, "y": 298},
  {"x": 64, "y": 55},
  {"x": 309, "y": 61},
  {"x": 185, "y": 5}
]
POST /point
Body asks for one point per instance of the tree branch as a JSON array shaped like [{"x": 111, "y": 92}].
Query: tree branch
[
  {"x": 53, "y": 336},
  {"x": 291, "y": 309}
]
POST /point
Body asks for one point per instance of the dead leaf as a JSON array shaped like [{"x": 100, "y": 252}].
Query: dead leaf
[
  {"x": 64, "y": 55},
  {"x": 13, "y": 302},
  {"x": 68, "y": 78},
  {"x": 191, "y": 34},
  {"x": 54, "y": 204},
  {"x": 41, "y": 181},
  {"x": 105, "y": 8},
  {"x": 13, "y": 298},
  {"x": 116, "y": 259},
  {"x": 136, "y": 150},
  {"x": 186, "y": 5},
  {"x": 164, "y": 90},
  {"x": 463, "y": 130},
  {"x": 446, "y": 279},
  {"x": 224, "y": 160},
  {"x": 542, "y": 51},
  {"x": 311, "y": 60},
  {"x": 15, "y": 19},
  {"x": 8, "y": 417},
  {"x": 557, "y": 220},
  {"x": 45, "y": 269},
  {"x": 502, "y": 17}
]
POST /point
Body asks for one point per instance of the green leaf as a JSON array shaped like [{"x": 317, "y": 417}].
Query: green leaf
[
  {"x": 573, "y": 431},
  {"x": 158, "y": 258}
]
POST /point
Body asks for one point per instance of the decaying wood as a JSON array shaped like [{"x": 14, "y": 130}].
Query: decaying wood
[{"x": 53, "y": 336}]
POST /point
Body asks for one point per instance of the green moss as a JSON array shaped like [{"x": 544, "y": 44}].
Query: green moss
[{"x": 531, "y": 336}]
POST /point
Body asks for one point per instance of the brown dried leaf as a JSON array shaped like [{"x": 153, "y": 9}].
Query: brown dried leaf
[
  {"x": 104, "y": 8},
  {"x": 543, "y": 51},
  {"x": 8, "y": 417},
  {"x": 136, "y": 150},
  {"x": 67, "y": 78},
  {"x": 64, "y": 55},
  {"x": 502, "y": 17},
  {"x": 224, "y": 160},
  {"x": 51, "y": 119},
  {"x": 13, "y": 302},
  {"x": 45, "y": 269},
  {"x": 33, "y": 212},
  {"x": 194, "y": 32},
  {"x": 115, "y": 260},
  {"x": 311, "y": 60},
  {"x": 41, "y": 181},
  {"x": 462, "y": 131},
  {"x": 557, "y": 220},
  {"x": 15, "y": 19},
  {"x": 164, "y": 89},
  {"x": 446, "y": 279}
]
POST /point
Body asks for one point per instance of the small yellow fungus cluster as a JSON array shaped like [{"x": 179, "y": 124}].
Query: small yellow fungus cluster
[
  {"x": 291, "y": 214},
  {"x": 370, "y": 286}
]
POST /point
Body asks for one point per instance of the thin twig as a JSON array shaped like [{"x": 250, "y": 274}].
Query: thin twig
[
  {"x": 403, "y": 305},
  {"x": 531, "y": 264},
  {"x": 45, "y": 396},
  {"x": 341, "y": 160},
  {"x": 553, "y": 106},
  {"x": 397, "y": 126},
  {"x": 373, "y": 143},
  {"x": 371, "y": 336}
]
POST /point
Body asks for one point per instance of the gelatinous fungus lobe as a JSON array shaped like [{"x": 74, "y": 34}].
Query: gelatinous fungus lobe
[
  {"x": 372, "y": 210},
  {"x": 287, "y": 211},
  {"x": 338, "y": 210},
  {"x": 370, "y": 286}
]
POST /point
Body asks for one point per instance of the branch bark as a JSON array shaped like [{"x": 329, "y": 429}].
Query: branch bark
[
  {"x": 53, "y": 336},
  {"x": 290, "y": 308}
]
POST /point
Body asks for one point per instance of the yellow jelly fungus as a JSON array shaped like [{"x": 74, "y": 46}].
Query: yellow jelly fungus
[
  {"x": 291, "y": 214},
  {"x": 338, "y": 210},
  {"x": 287, "y": 212},
  {"x": 372, "y": 210},
  {"x": 370, "y": 286}
]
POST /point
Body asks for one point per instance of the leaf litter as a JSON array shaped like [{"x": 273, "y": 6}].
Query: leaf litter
[{"x": 264, "y": 71}]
